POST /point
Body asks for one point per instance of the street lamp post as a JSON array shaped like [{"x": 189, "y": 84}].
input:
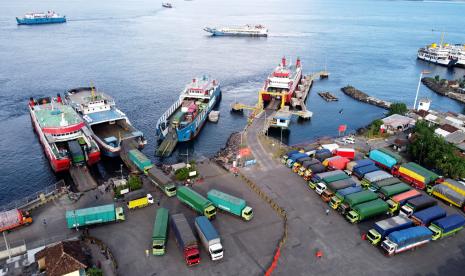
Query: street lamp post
[{"x": 424, "y": 72}]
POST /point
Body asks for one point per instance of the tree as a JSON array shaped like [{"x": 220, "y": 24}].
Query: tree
[
  {"x": 94, "y": 272},
  {"x": 398, "y": 108},
  {"x": 134, "y": 183},
  {"x": 437, "y": 78}
]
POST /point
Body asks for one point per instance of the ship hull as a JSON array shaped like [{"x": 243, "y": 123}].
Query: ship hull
[
  {"x": 215, "y": 32},
  {"x": 446, "y": 63},
  {"x": 109, "y": 151},
  {"x": 39, "y": 21}
]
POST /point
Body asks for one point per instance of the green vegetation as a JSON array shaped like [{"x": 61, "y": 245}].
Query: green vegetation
[
  {"x": 183, "y": 174},
  {"x": 433, "y": 151},
  {"x": 94, "y": 272},
  {"x": 134, "y": 183},
  {"x": 373, "y": 129},
  {"x": 398, "y": 108}
]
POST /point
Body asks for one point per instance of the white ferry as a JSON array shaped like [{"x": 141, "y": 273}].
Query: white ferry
[
  {"x": 246, "y": 30},
  {"x": 438, "y": 54}
]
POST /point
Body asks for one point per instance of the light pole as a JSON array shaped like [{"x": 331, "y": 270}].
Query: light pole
[{"x": 424, "y": 72}]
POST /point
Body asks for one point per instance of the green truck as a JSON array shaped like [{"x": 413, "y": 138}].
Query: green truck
[
  {"x": 140, "y": 160},
  {"x": 234, "y": 205},
  {"x": 196, "y": 201},
  {"x": 367, "y": 210},
  {"x": 162, "y": 181},
  {"x": 375, "y": 186},
  {"x": 387, "y": 192},
  {"x": 160, "y": 232},
  {"x": 354, "y": 199},
  {"x": 94, "y": 215}
]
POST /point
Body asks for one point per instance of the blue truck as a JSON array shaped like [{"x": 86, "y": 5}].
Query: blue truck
[
  {"x": 209, "y": 237},
  {"x": 406, "y": 239},
  {"x": 385, "y": 227},
  {"x": 293, "y": 158},
  {"x": 382, "y": 159},
  {"x": 287, "y": 155},
  {"x": 447, "y": 226},
  {"x": 426, "y": 216},
  {"x": 361, "y": 171}
]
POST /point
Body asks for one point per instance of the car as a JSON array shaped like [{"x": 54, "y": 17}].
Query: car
[{"x": 348, "y": 140}]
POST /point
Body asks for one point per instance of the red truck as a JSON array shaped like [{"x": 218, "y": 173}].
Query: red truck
[
  {"x": 13, "y": 218},
  {"x": 185, "y": 239}
]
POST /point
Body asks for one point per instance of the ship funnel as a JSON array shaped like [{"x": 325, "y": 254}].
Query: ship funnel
[
  {"x": 58, "y": 98},
  {"x": 283, "y": 61},
  {"x": 297, "y": 62},
  {"x": 193, "y": 80},
  {"x": 31, "y": 101}
]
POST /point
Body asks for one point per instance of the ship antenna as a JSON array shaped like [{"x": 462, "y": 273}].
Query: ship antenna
[{"x": 92, "y": 90}]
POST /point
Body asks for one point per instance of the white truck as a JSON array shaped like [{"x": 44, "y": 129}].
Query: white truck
[{"x": 209, "y": 237}]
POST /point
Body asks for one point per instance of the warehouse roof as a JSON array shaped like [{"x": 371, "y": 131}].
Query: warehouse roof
[{"x": 456, "y": 137}]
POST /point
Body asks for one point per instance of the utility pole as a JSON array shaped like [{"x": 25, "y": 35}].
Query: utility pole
[{"x": 424, "y": 72}]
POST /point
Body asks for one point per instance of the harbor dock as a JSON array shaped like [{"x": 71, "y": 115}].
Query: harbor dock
[{"x": 365, "y": 98}]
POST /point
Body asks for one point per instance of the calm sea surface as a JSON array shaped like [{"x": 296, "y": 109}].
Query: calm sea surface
[{"x": 143, "y": 55}]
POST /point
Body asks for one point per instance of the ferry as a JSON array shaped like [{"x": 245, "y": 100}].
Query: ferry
[
  {"x": 284, "y": 79},
  {"x": 185, "y": 118},
  {"x": 438, "y": 54},
  {"x": 247, "y": 30},
  {"x": 63, "y": 134},
  {"x": 166, "y": 5},
  {"x": 109, "y": 125},
  {"x": 457, "y": 53},
  {"x": 41, "y": 18}
]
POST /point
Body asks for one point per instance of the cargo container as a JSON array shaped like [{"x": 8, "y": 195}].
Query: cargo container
[
  {"x": 445, "y": 193},
  {"x": 234, "y": 205},
  {"x": 337, "y": 199},
  {"x": 354, "y": 199},
  {"x": 287, "y": 155},
  {"x": 367, "y": 210},
  {"x": 375, "y": 186},
  {"x": 140, "y": 160},
  {"x": 346, "y": 152},
  {"x": 338, "y": 163},
  {"x": 374, "y": 176},
  {"x": 391, "y": 153},
  {"x": 447, "y": 226},
  {"x": 209, "y": 237},
  {"x": 406, "y": 239},
  {"x": 306, "y": 165},
  {"x": 359, "y": 163},
  {"x": 196, "y": 201},
  {"x": 333, "y": 187},
  {"x": 382, "y": 159},
  {"x": 94, "y": 215},
  {"x": 14, "y": 218},
  {"x": 160, "y": 232},
  {"x": 293, "y": 158},
  {"x": 426, "y": 216},
  {"x": 417, "y": 204},
  {"x": 361, "y": 171},
  {"x": 298, "y": 163},
  {"x": 185, "y": 239},
  {"x": 399, "y": 200},
  {"x": 138, "y": 199},
  {"x": 415, "y": 175},
  {"x": 392, "y": 190},
  {"x": 385, "y": 227},
  {"x": 319, "y": 176},
  {"x": 323, "y": 154},
  {"x": 162, "y": 181},
  {"x": 313, "y": 169}
]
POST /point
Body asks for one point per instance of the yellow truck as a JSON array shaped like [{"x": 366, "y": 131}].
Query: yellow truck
[{"x": 138, "y": 199}]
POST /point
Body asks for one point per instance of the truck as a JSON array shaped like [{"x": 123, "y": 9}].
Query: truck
[
  {"x": 160, "y": 232},
  {"x": 346, "y": 152},
  {"x": 359, "y": 163},
  {"x": 321, "y": 186},
  {"x": 399, "y": 200},
  {"x": 382, "y": 159},
  {"x": 185, "y": 239},
  {"x": 333, "y": 187},
  {"x": 94, "y": 215},
  {"x": 361, "y": 171},
  {"x": 293, "y": 158},
  {"x": 392, "y": 154},
  {"x": 287, "y": 155},
  {"x": 383, "y": 228},
  {"x": 209, "y": 237},
  {"x": 313, "y": 169},
  {"x": 374, "y": 176},
  {"x": 354, "y": 199},
  {"x": 14, "y": 218},
  {"x": 416, "y": 204},
  {"x": 416, "y": 175},
  {"x": 319, "y": 176},
  {"x": 392, "y": 190},
  {"x": 307, "y": 165},
  {"x": 367, "y": 210},
  {"x": 449, "y": 195},
  {"x": 447, "y": 226},
  {"x": 140, "y": 160},
  {"x": 322, "y": 154},
  {"x": 375, "y": 186},
  {"x": 231, "y": 204},
  {"x": 196, "y": 201},
  {"x": 337, "y": 163},
  {"x": 138, "y": 199},
  {"x": 299, "y": 162},
  {"x": 426, "y": 216},
  {"x": 162, "y": 181},
  {"x": 337, "y": 199},
  {"x": 406, "y": 239}
]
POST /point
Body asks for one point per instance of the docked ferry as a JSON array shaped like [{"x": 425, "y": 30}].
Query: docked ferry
[
  {"x": 438, "y": 54},
  {"x": 41, "y": 18},
  {"x": 457, "y": 53},
  {"x": 283, "y": 80},
  {"x": 109, "y": 125},
  {"x": 185, "y": 118},
  {"x": 247, "y": 30},
  {"x": 63, "y": 134}
]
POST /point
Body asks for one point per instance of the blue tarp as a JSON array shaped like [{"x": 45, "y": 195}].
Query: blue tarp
[
  {"x": 382, "y": 158},
  {"x": 207, "y": 228},
  {"x": 410, "y": 235},
  {"x": 361, "y": 171},
  {"x": 450, "y": 223},
  {"x": 349, "y": 190},
  {"x": 430, "y": 214},
  {"x": 362, "y": 163}
]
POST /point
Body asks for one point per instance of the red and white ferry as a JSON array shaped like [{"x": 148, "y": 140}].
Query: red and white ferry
[
  {"x": 62, "y": 133},
  {"x": 285, "y": 78}
]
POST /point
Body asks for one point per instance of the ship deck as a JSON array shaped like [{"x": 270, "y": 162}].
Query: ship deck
[
  {"x": 118, "y": 129},
  {"x": 84, "y": 95},
  {"x": 51, "y": 115}
]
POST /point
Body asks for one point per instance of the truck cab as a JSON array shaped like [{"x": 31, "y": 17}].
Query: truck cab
[
  {"x": 120, "y": 214},
  {"x": 247, "y": 213},
  {"x": 393, "y": 206},
  {"x": 170, "y": 190},
  {"x": 216, "y": 251},
  {"x": 326, "y": 195},
  {"x": 192, "y": 256},
  {"x": 335, "y": 202},
  {"x": 320, "y": 187},
  {"x": 389, "y": 247},
  {"x": 210, "y": 212},
  {"x": 437, "y": 232},
  {"x": 374, "y": 237},
  {"x": 352, "y": 216},
  {"x": 287, "y": 155}
]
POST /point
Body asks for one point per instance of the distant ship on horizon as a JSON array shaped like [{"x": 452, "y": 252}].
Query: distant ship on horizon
[
  {"x": 246, "y": 30},
  {"x": 50, "y": 17}
]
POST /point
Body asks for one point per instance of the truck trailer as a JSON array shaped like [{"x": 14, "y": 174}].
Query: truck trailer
[
  {"x": 94, "y": 215},
  {"x": 426, "y": 216},
  {"x": 196, "y": 201},
  {"x": 335, "y": 186},
  {"x": 392, "y": 190},
  {"x": 367, "y": 210},
  {"x": 361, "y": 171},
  {"x": 287, "y": 155},
  {"x": 415, "y": 175},
  {"x": 399, "y": 200},
  {"x": 449, "y": 193},
  {"x": 321, "y": 186},
  {"x": 319, "y": 176},
  {"x": 298, "y": 163},
  {"x": 209, "y": 237},
  {"x": 160, "y": 232},
  {"x": 312, "y": 170},
  {"x": 185, "y": 238},
  {"x": 359, "y": 163},
  {"x": 140, "y": 160},
  {"x": 14, "y": 218},
  {"x": 337, "y": 199},
  {"x": 374, "y": 176},
  {"x": 293, "y": 158},
  {"x": 162, "y": 181},
  {"x": 375, "y": 186},
  {"x": 417, "y": 204},
  {"x": 447, "y": 226},
  {"x": 385, "y": 227},
  {"x": 354, "y": 199},
  {"x": 306, "y": 165},
  {"x": 382, "y": 159},
  {"x": 406, "y": 239},
  {"x": 231, "y": 204}
]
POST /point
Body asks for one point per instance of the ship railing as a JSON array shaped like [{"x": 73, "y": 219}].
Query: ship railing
[{"x": 168, "y": 113}]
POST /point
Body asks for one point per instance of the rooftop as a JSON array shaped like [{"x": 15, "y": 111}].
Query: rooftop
[
  {"x": 62, "y": 258},
  {"x": 56, "y": 115}
]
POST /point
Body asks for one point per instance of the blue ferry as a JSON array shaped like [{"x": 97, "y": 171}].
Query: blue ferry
[
  {"x": 40, "y": 18},
  {"x": 109, "y": 125},
  {"x": 183, "y": 121}
]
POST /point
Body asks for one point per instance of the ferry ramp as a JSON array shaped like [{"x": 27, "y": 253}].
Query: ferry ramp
[
  {"x": 168, "y": 144},
  {"x": 126, "y": 146},
  {"x": 82, "y": 178}
]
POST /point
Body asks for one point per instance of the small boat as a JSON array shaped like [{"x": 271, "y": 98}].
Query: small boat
[
  {"x": 50, "y": 17},
  {"x": 166, "y": 5},
  {"x": 247, "y": 30},
  {"x": 214, "y": 116}
]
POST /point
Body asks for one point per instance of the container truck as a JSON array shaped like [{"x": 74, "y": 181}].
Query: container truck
[
  {"x": 447, "y": 226},
  {"x": 361, "y": 171},
  {"x": 426, "y": 216},
  {"x": 14, "y": 218},
  {"x": 416, "y": 175},
  {"x": 94, "y": 215},
  {"x": 209, "y": 237},
  {"x": 406, "y": 239},
  {"x": 374, "y": 176},
  {"x": 346, "y": 152},
  {"x": 333, "y": 187},
  {"x": 287, "y": 155},
  {"x": 337, "y": 199},
  {"x": 160, "y": 232},
  {"x": 337, "y": 163},
  {"x": 383, "y": 228},
  {"x": 319, "y": 176},
  {"x": 299, "y": 162},
  {"x": 162, "y": 181},
  {"x": 293, "y": 158},
  {"x": 417, "y": 204},
  {"x": 354, "y": 199},
  {"x": 392, "y": 190},
  {"x": 313, "y": 169},
  {"x": 322, "y": 154},
  {"x": 359, "y": 163},
  {"x": 447, "y": 194},
  {"x": 196, "y": 201},
  {"x": 382, "y": 159},
  {"x": 234, "y": 205},
  {"x": 140, "y": 160},
  {"x": 306, "y": 165},
  {"x": 138, "y": 199},
  {"x": 185, "y": 239},
  {"x": 367, "y": 210},
  {"x": 375, "y": 186},
  {"x": 399, "y": 200},
  {"x": 391, "y": 153},
  {"x": 321, "y": 186}
]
